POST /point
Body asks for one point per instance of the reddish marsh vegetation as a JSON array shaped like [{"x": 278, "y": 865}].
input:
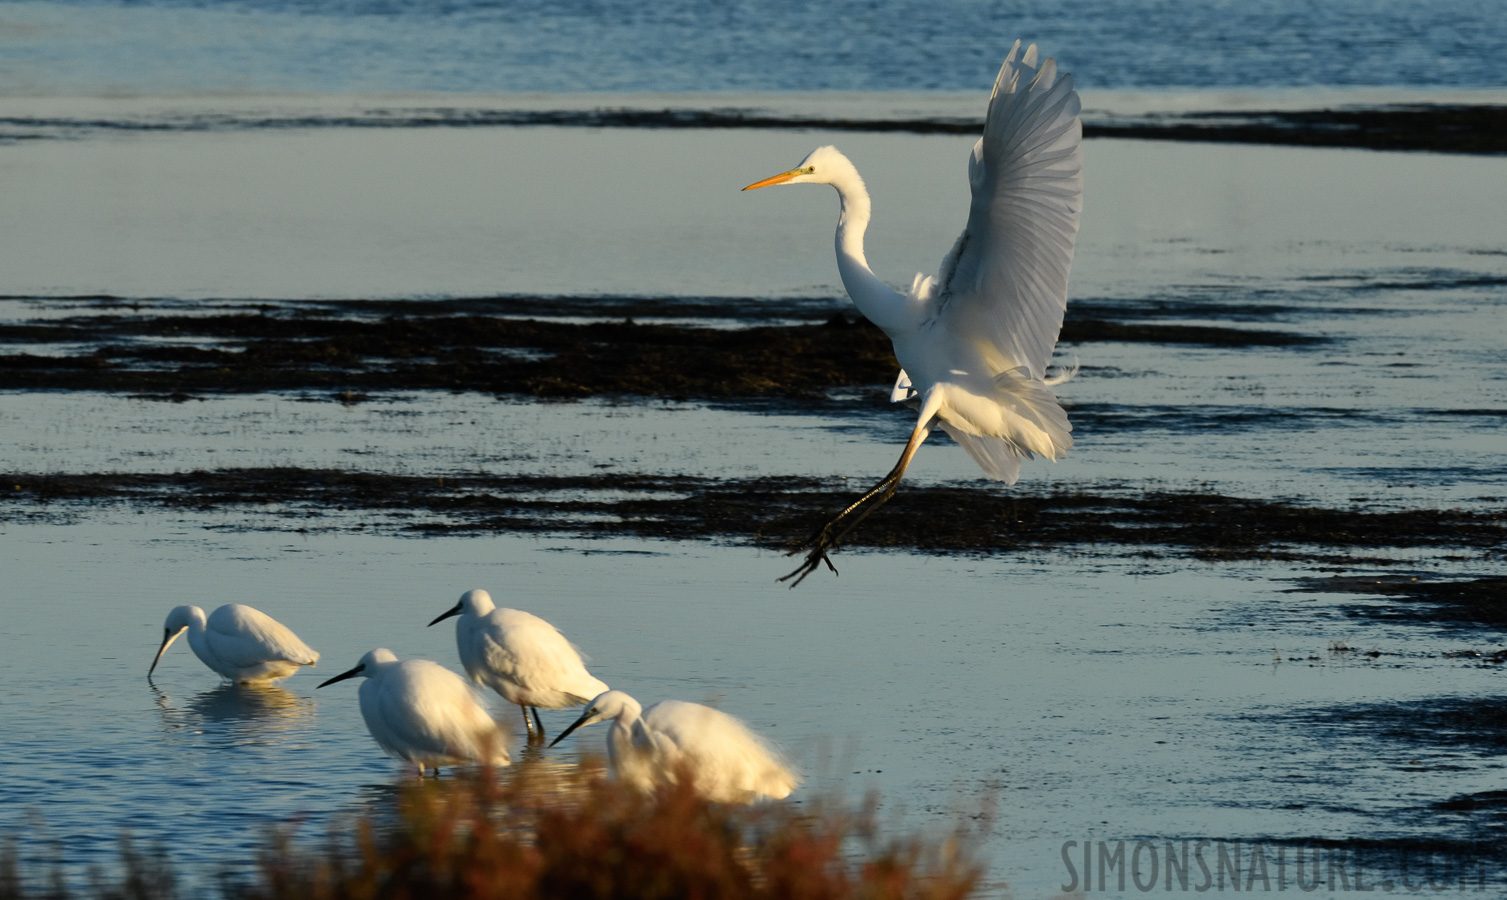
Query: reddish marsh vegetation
[{"x": 547, "y": 830}]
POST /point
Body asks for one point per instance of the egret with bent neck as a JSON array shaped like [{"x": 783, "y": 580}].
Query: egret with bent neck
[
  {"x": 652, "y": 747},
  {"x": 243, "y": 644}
]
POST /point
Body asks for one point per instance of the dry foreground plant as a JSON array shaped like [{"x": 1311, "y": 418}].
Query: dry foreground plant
[{"x": 544, "y": 829}]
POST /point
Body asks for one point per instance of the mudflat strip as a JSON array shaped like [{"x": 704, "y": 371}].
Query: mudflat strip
[
  {"x": 347, "y": 349},
  {"x": 1432, "y": 127},
  {"x": 772, "y": 512}
]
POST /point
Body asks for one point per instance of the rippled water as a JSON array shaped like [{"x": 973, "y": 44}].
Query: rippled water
[
  {"x": 173, "y": 46},
  {"x": 1098, "y": 696}
]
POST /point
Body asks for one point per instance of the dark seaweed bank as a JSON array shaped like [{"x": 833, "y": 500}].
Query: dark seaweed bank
[
  {"x": 1467, "y": 606},
  {"x": 1440, "y": 128},
  {"x": 788, "y": 354},
  {"x": 346, "y": 350},
  {"x": 1435, "y": 128},
  {"x": 771, "y": 512}
]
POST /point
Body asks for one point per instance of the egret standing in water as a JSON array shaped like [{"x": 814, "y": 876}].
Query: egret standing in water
[
  {"x": 974, "y": 343},
  {"x": 520, "y": 656},
  {"x": 243, "y": 644},
  {"x": 648, "y": 747},
  {"x": 424, "y": 713}
]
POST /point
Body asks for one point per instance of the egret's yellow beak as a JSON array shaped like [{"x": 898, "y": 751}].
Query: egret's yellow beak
[{"x": 776, "y": 179}]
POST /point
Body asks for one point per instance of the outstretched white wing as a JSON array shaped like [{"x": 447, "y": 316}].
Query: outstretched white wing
[{"x": 1005, "y": 280}]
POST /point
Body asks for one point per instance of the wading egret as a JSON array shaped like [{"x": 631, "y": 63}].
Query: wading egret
[
  {"x": 243, "y": 644},
  {"x": 648, "y": 747},
  {"x": 974, "y": 343},
  {"x": 424, "y": 713},
  {"x": 520, "y": 656}
]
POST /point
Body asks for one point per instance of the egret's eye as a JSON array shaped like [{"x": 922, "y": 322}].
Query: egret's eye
[{"x": 810, "y": 170}]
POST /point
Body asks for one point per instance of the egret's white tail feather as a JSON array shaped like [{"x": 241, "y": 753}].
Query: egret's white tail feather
[
  {"x": 996, "y": 456},
  {"x": 1030, "y": 399},
  {"x": 1063, "y": 376},
  {"x": 1034, "y": 424}
]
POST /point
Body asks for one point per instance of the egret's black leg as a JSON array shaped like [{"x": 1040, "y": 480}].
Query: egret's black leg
[
  {"x": 528, "y": 726},
  {"x": 539, "y": 723},
  {"x": 826, "y": 538}
]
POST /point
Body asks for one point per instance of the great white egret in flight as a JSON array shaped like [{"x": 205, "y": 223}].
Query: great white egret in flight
[
  {"x": 650, "y": 747},
  {"x": 974, "y": 343},
  {"x": 520, "y": 656},
  {"x": 243, "y": 644},
  {"x": 424, "y": 713}
]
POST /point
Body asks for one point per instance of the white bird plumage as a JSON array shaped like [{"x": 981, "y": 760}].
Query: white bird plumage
[
  {"x": 241, "y": 643},
  {"x": 422, "y": 712},
  {"x": 974, "y": 343},
  {"x": 520, "y": 656},
  {"x": 650, "y": 747}
]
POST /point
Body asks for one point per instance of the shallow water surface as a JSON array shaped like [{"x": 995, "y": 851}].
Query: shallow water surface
[
  {"x": 1094, "y": 697},
  {"x": 361, "y": 213}
]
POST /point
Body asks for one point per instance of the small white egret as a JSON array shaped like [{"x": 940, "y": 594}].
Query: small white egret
[
  {"x": 520, "y": 656},
  {"x": 424, "y": 713},
  {"x": 243, "y": 644},
  {"x": 974, "y": 343},
  {"x": 647, "y": 747}
]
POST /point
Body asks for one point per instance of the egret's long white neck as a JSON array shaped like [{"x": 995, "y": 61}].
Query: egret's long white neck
[
  {"x": 197, "y": 625},
  {"x": 620, "y": 738},
  {"x": 628, "y": 712},
  {"x": 879, "y": 303}
]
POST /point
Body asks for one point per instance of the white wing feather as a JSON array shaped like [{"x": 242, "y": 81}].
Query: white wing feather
[
  {"x": 245, "y": 637},
  {"x": 427, "y": 714},
  {"x": 1006, "y": 277},
  {"x": 527, "y": 660},
  {"x": 731, "y": 763}
]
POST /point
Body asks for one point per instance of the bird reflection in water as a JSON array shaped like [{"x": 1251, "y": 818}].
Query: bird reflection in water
[
  {"x": 236, "y": 709},
  {"x": 536, "y": 777}
]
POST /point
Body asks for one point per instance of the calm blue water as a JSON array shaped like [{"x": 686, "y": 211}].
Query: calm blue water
[{"x": 761, "y": 45}]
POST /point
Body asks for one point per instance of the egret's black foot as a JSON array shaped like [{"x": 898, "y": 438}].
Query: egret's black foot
[
  {"x": 814, "y": 558},
  {"x": 824, "y": 540}
]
